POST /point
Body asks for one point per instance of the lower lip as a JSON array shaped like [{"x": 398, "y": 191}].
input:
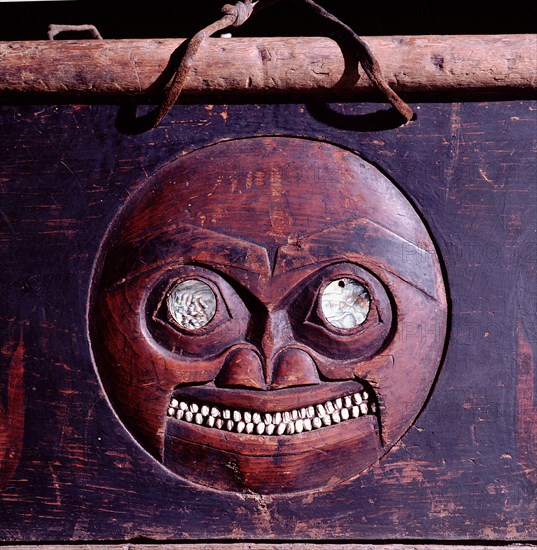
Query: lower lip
[{"x": 263, "y": 445}]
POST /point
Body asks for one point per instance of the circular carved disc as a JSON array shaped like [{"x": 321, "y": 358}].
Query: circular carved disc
[{"x": 216, "y": 328}]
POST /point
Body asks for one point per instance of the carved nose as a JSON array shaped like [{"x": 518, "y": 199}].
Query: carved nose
[
  {"x": 242, "y": 368},
  {"x": 294, "y": 367},
  {"x": 277, "y": 365}
]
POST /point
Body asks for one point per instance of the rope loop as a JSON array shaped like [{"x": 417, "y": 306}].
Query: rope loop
[{"x": 235, "y": 15}]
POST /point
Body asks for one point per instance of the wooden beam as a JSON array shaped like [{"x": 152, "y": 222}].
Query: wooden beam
[{"x": 264, "y": 68}]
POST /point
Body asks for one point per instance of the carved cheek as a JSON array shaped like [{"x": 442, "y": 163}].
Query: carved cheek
[
  {"x": 404, "y": 372},
  {"x": 140, "y": 368}
]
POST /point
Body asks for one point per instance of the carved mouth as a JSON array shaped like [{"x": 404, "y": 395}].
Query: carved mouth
[{"x": 200, "y": 410}]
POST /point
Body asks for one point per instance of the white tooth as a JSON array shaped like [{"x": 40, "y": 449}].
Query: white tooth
[
  {"x": 294, "y": 415},
  {"x": 256, "y": 418},
  {"x": 226, "y": 414},
  {"x": 357, "y": 398},
  {"x": 194, "y": 407},
  {"x": 286, "y": 417},
  {"x": 317, "y": 422},
  {"x": 327, "y": 420},
  {"x": 336, "y": 418},
  {"x": 247, "y": 416},
  {"x": 249, "y": 427},
  {"x": 188, "y": 416},
  {"x": 321, "y": 410},
  {"x": 345, "y": 414},
  {"x": 355, "y": 411},
  {"x": 270, "y": 429},
  {"x": 348, "y": 401},
  {"x": 219, "y": 423},
  {"x": 174, "y": 403},
  {"x": 237, "y": 417},
  {"x": 303, "y": 413},
  {"x": 373, "y": 407},
  {"x": 210, "y": 421},
  {"x": 260, "y": 428},
  {"x": 299, "y": 426},
  {"x": 230, "y": 424},
  {"x": 198, "y": 419},
  {"x": 277, "y": 419},
  {"x": 183, "y": 406},
  {"x": 365, "y": 396},
  {"x": 329, "y": 406},
  {"x": 281, "y": 429},
  {"x": 205, "y": 410},
  {"x": 268, "y": 418},
  {"x": 338, "y": 403},
  {"x": 363, "y": 408},
  {"x": 179, "y": 414},
  {"x": 171, "y": 411},
  {"x": 311, "y": 412},
  {"x": 240, "y": 427},
  {"x": 215, "y": 412},
  {"x": 307, "y": 424},
  {"x": 290, "y": 428}
]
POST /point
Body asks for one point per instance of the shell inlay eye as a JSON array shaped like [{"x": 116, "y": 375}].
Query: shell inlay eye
[
  {"x": 192, "y": 304},
  {"x": 345, "y": 303}
]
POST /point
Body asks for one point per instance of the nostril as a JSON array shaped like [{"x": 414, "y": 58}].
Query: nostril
[
  {"x": 294, "y": 367},
  {"x": 242, "y": 368}
]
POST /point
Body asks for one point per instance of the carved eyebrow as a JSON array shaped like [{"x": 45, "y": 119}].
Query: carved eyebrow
[
  {"x": 372, "y": 242},
  {"x": 186, "y": 244}
]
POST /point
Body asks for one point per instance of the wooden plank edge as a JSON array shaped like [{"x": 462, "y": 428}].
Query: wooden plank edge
[{"x": 269, "y": 546}]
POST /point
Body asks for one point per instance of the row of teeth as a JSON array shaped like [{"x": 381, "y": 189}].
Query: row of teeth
[{"x": 279, "y": 423}]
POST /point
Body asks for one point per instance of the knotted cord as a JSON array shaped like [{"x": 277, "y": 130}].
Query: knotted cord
[{"x": 235, "y": 15}]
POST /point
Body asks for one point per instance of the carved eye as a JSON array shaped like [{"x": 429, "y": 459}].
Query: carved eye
[
  {"x": 193, "y": 311},
  {"x": 191, "y": 304},
  {"x": 343, "y": 311},
  {"x": 345, "y": 303}
]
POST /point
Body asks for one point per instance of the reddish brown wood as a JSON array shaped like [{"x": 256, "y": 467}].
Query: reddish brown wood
[
  {"x": 268, "y": 67},
  {"x": 267, "y": 249},
  {"x": 12, "y": 415},
  {"x": 462, "y": 472}
]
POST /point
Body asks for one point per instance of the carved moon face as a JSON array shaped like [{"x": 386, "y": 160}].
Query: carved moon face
[{"x": 268, "y": 315}]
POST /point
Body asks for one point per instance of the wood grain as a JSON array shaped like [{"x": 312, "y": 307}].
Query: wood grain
[
  {"x": 461, "y": 473},
  {"x": 12, "y": 394},
  {"x": 270, "y": 546},
  {"x": 242, "y": 68}
]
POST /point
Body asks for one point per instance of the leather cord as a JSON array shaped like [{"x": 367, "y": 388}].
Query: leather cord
[{"x": 235, "y": 15}]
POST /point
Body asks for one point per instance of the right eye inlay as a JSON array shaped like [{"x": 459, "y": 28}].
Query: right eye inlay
[
  {"x": 191, "y": 304},
  {"x": 345, "y": 303}
]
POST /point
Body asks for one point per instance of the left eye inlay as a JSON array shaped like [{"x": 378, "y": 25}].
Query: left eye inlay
[
  {"x": 191, "y": 304},
  {"x": 345, "y": 303}
]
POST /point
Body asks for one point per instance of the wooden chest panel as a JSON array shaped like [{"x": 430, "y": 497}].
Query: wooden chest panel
[{"x": 464, "y": 470}]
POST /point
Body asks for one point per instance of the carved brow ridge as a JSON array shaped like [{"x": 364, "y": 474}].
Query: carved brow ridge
[
  {"x": 378, "y": 244},
  {"x": 232, "y": 252}
]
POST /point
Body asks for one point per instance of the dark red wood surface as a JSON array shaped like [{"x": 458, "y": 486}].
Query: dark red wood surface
[{"x": 465, "y": 469}]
